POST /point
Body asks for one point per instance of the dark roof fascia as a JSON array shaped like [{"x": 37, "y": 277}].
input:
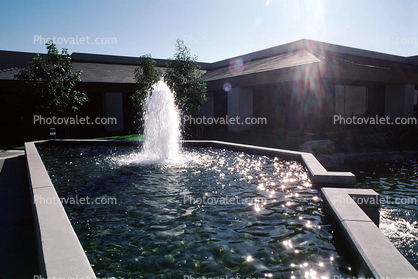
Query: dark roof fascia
[
  {"x": 290, "y": 74},
  {"x": 412, "y": 60},
  {"x": 16, "y": 59},
  {"x": 317, "y": 48},
  {"x": 110, "y": 59},
  {"x": 121, "y": 60},
  {"x": 324, "y": 70},
  {"x": 339, "y": 70},
  {"x": 277, "y": 50},
  {"x": 322, "y": 48}
]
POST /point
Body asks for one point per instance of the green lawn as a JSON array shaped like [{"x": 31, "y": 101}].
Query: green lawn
[
  {"x": 13, "y": 147},
  {"x": 127, "y": 137}
]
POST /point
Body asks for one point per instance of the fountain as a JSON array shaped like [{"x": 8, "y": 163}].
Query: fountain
[
  {"x": 201, "y": 212},
  {"x": 162, "y": 126}
]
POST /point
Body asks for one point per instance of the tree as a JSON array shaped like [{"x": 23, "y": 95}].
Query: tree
[
  {"x": 186, "y": 79},
  {"x": 183, "y": 76},
  {"x": 146, "y": 75},
  {"x": 51, "y": 84}
]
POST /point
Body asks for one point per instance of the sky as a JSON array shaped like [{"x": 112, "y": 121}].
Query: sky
[{"x": 213, "y": 30}]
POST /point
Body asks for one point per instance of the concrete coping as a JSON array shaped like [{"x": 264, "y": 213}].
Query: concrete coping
[
  {"x": 60, "y": 252},
  {"x": 355, "y": 213}
]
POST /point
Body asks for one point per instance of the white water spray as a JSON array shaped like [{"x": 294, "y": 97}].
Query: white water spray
[{"x": 162, "y": 126}]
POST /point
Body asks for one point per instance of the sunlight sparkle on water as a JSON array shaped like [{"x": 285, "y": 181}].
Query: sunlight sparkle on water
[{"x": 288, "y": 243}]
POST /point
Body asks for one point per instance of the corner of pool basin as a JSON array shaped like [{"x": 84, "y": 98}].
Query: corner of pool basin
[{"x": 355, "y": 213}]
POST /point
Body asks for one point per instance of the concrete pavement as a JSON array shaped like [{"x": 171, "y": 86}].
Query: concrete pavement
[{"x": 18, "y": 251}]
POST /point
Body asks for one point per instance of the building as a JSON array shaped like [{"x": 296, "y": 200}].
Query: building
[
  {"x": 296, "y": 86},
  {"x": 305, "y": 83}
]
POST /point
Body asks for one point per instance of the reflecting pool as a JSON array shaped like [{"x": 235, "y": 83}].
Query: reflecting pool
[{"x": 213, "y": 213}]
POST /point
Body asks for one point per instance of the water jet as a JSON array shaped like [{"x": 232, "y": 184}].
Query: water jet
[{"x": 162, "y": 126}]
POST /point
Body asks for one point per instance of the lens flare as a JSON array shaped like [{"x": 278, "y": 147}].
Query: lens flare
[
  {"x": 237, "y": 65},
  {"x": 227, "y": 87}
]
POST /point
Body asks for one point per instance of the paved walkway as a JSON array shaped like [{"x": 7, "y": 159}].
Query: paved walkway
[{"x": 18, "y": 251}]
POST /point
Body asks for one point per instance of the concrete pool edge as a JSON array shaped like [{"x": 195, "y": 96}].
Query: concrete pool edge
[
  {"x": 355, "y": 214},
  {"x": 60, "y": 252},
  {"x": 63, "y": 265}
]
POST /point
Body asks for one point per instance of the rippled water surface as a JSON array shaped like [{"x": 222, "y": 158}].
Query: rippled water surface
[
  {"x": 213, "y": 213},
  {"x": 397, "y": 184}
]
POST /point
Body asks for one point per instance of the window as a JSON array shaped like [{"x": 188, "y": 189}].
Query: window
[{"x": 350, "y": 100}]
